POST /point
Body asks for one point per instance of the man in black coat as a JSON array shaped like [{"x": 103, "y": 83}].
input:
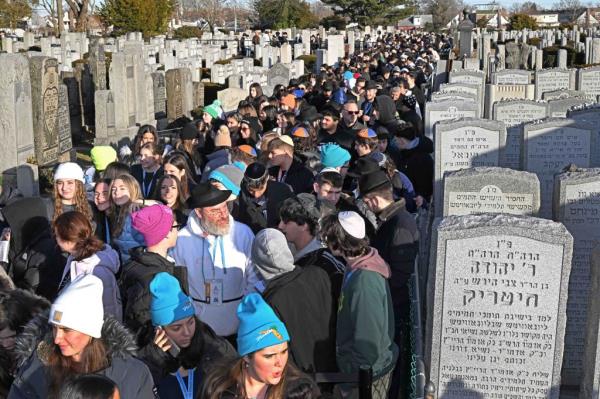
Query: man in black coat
[
  {"x": 260, "y": 198},
  {"x": 287, "y": 168}
]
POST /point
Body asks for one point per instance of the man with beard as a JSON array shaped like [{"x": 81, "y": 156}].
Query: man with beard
[{"x": 213, "y": 247}]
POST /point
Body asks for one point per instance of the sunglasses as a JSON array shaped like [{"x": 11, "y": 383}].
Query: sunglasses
[{"x": 353, "y": 112}]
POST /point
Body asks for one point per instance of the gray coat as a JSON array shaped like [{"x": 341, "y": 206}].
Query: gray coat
[{"x": 130, "y": 374}]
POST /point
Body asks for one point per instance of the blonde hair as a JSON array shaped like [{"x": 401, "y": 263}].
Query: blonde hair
[
  {"x": 118, "y": 214},
  {"x": 80, "y": 201}
]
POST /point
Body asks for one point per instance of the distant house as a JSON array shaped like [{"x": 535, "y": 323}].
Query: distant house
[
  {"x": 493, "y": 17},
  {"x": 545, "y": 19},
  {"x": 415, "y": 22},
  {"x": 585, "y": 17}
]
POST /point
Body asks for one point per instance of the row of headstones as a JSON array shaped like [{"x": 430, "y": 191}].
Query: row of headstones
[
  {"x": 512, "y": 304},
  {"x": 551, "y": 94},
  {"x": 35, "y": 127}
]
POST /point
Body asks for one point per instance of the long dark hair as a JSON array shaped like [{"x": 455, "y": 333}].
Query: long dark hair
[
  {"x": 94, "y": 358},
  {"x": 231, "y": 376},
  {"x": 74, "y": 226}
]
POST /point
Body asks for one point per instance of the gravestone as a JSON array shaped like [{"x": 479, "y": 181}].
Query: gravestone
[
  {"x": 105, "y": 118},
  {"x": 491, "y": 190},
  {"x": 548, "y": 146},
  {"x": 511, "y": 77},
  {"x": 230, "y": 98},
  {"x": 465, "y": 143},
  {"x": 560, "y": 107},
  {"x": 588, "y": 115},
  {"x": 16, "y": 163},
  {"x": 560, "y": 94},
  {"x": 513, "y": 113},
  {"x": 159, "y": 88},
  {"x": 179, "y": 93},
  {"x": 590, "y": 386},
  {"x": 550, "y": 80},
  {"x": 278, "y": 74},
  {"x": 495, "y": 93},
  {"x": 577, "y": 206},
  {"x": 65, "y": 143},
  {"x": 457, "y": 97},
  {"x": 97, "y": 62},
  {"x": 498, "y": 289},
  {"x": 198, "y": 94},
  {"x": 44, "y": 95},
  {"x": 588, "y": 80},
  {"x": 436, "y": 111}
]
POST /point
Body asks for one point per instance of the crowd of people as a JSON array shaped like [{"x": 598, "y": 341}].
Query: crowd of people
[{"x": 264, "y": 247}]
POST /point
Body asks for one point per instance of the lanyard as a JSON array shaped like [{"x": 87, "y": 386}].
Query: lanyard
[
  {"x": 368, "y": 107},
  {"x": 213, "y": 256},
  {"x": 147, "y": 190},
  {"x": 186, "y": 391},
  {"x": 106, "y": 230},
  {"x": 347, "y": 278}
]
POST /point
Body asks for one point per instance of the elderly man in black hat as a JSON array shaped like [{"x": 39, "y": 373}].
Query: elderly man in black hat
[
  {"x": 397, "y": 241},
  {"x": 215, "y": 249},
  {"x": 260, "y": 198}
]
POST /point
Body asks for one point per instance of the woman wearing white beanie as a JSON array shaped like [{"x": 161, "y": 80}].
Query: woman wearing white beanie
[
  {"x": 69, "y": 190},
  {"x": 80, "y": 341}
]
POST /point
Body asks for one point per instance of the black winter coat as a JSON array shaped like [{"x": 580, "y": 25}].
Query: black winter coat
[
  {"x": 134, "y": 282},
  {"x": 302, "y": 299},
  {"x": 417, "y": 165},
  {"x": 150, "y": 185},
  {"x": 397, "y": 241},
  {"x": 252, "y": 214},
  {"x": 298, "y": 177},
  {"x": 206, "y": 352},
  {"x": 334, "y": 268}
]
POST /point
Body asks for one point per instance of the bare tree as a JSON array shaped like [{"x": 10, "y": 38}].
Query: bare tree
[
  {"x": 442, "y": 11},
  {"x": 212, "y": 11},
  {"x": 571, "y": 7},
  {"x": 526, "y": 7},
  {"x": 78, "y": 13}
]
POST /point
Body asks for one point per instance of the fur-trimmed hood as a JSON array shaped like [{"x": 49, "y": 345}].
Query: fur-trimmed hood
[{"x": 37, "y": 334}]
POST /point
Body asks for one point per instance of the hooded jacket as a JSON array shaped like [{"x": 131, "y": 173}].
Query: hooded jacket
[
  {"x": 130, "y": 374},
  {"x": 365, "y": 320},
  {"x": 386, "y": 109},
  {"x": 128, "y": 239},
  {"x": 231, "y": 266},
  {"x": 135, "y": 280},
  {"x": 309, "y": 321},
  {"x": 104, "y": 264}
]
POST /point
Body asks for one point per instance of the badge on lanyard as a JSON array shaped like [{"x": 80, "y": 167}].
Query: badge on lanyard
[{"x": 213, "y": 291}]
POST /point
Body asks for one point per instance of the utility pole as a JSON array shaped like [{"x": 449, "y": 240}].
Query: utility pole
[{"x": 59, "y": 12}]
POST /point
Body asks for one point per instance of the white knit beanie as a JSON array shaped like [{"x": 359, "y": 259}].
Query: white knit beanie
[
  {"x": 69, "y": 170},
  {"x": 79, "y": 306}
]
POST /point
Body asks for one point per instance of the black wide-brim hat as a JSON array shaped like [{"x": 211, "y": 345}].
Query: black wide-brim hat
[
  {"x": 372, "y": 181},
  {"x": 205, "y": 195},
  {"x": 363, "y": 166}
]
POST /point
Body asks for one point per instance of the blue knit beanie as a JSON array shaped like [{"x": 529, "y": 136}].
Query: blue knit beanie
[
  {"x": 333, "y": 156},
  {"x": 259, "y": 326},
  {"x": 230, "y": 176},
  {"x": 168, "y": 304}
]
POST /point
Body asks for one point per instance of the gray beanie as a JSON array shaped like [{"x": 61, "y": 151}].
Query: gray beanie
[{"x": 271, "y": 255}]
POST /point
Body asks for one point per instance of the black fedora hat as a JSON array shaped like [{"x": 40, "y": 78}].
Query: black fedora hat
[
  {"x": 309, "y": 114},
  {"x": 372, "y": 181},
  {"x": 363, "y": 166},
  {"x": 205, "y": 194},
  {"x": 371, "y": 84}
]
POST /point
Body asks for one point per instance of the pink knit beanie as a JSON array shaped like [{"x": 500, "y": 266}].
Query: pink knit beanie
[{"x": 153, "y": 222}]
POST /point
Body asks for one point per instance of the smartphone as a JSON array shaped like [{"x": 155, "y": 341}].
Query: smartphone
[{"x": 174, "y": 349}]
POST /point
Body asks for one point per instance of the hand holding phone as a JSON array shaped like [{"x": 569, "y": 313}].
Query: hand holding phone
[{"x": 162, "y": 340}]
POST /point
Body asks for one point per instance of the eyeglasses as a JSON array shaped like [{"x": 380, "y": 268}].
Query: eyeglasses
[
  {"x": 352, "y": 112},
  {"x": 177, "y": 226},
  {"x": 218, "y": 211}
]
